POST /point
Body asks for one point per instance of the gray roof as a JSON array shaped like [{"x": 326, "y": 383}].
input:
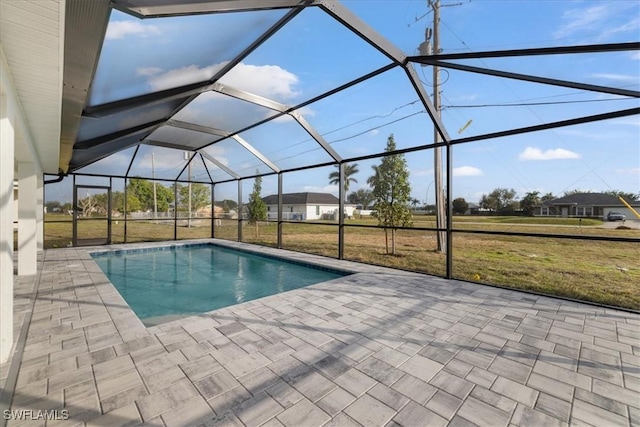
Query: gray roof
[
  {"x": 302, "y": 199},
  {"x": 590, "y": 199}
]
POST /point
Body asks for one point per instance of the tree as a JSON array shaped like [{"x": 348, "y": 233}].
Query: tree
[
  {"x": 142, "y": 189},
  {"x": 547, "y": 197},
  {"x": 256, "y": 208},
  {"x": 392, "y": 193},
  {"x": 227, "y": 205},
  {"x": 349, "y": 171},
  {"x": 133, "y": 204},
  {"x": 200, "y": 196},
  {"x": 460, "y": 206},
  {"x": 53, "y": 206},
  {"x": 87, "y": 204},
  {"x": 361, "y": 197},
  {"x": 625, "y": 195},
  {"x": 528, "y": 202},
  {"x": 500, "y": 199}
]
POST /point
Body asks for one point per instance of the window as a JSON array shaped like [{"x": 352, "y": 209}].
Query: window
[
  {"x": 584, "y": 211},
  {"x": 544, "y": 210},
  {"x": 318, "y": 210}
]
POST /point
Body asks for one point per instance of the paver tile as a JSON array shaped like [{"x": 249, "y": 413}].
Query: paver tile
[
  {"x": 502, "y": 402},
  {"x": 355, "y": 382},
  {"x": 284, "y": 394},
  {"x": 336, "y": 401},
  {"x": 483, "y": 414},
  {"x": 190, "y": 413},
  {"x": 549, "y": 385},
  {"x": 623, "y": 395},
  {"x": 122, "y": 398},
  {"x": 126, "y": 416},
  {"x": 313, "y": 385},
  {"x": 416, "y": 415},
  {"x": 452, "y": 384},
  {"x": 369, "y": 411},
  {"x": 257, "y": 410},
  {"x": 563, "y": 375},
  {"x": 592, "y": 414},
  {"x": 388, "y": 396},
  {"x": 554, "y": 407},
  {"x": 525, "y": 416},
  {"x": 421, "y": 367},
  {"x": 444, "y": 404},
  {"x": 414, "y": 388},
  {"x": 215, "y": 384},
  {"x": 166, "y": 399},
  {"x": 226, "y": 401},
  {"x": 515, "y": 391},
  {"x": 303, "y": 413}
]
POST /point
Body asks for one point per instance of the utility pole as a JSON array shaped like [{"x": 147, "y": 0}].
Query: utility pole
[{"x": 437, "y": 153}]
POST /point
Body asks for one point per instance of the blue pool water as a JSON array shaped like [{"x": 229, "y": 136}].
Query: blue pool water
[{"x": 196, "y": 279}]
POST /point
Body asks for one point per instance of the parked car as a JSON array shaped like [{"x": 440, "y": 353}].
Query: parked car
[{"x": 616, "y": 216}]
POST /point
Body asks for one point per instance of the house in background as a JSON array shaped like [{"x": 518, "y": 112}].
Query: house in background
[
  {"x": 306, "y": 206},
  {"x": 585, "y": 205}
]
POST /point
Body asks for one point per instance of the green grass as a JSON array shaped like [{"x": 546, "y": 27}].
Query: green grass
[{"x": 598, "y": 271}]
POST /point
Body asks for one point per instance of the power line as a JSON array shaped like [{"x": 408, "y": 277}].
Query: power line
[{"x": 526, "y": 104}]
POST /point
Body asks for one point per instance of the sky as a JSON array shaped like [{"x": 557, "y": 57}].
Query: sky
[{"x": 314, "y": 53}]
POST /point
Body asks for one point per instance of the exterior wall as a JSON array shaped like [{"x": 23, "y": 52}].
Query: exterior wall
[
  {"x": 305, "y": 212},
  {"x": 623, "y": 210}
]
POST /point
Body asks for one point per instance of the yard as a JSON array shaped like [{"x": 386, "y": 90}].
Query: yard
[{"x": 593, "y": 270}]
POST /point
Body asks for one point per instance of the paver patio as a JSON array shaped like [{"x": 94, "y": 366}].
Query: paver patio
[{"x": 379, "y": 347}]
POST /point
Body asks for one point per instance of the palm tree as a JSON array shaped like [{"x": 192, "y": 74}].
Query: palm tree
[{"x": 349, "y": 170}]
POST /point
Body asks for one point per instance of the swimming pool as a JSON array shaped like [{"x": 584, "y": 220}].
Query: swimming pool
[{"x": 184, "y": 280}]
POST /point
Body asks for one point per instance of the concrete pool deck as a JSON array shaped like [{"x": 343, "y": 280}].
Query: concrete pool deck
[{"x": 379, "y": 347}]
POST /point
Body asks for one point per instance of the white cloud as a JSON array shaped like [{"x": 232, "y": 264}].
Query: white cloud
[
  {"x": 467, "y": 171},
  {"x": 629, "y": 171},
  {"x": 269, "y": 81},
  {"x": 629, "y": 121},
  {"x": 533, "y": 153},
  {"x": 599, "y": 22},
  {"x": 148, "y": 71},
  {"x": 374, "y": 132},
  {"x": 615, "y": 77},
  {"x": 121, "y": 29},
  {"x": 577, "y": 20},
  {"x": 422, "y": 172},
  {"x": 628, "y": 26},
  {"x": 636, "y": 56},
  {"x": 469, "y": 97},
  {"x": 183, "y": 76}
]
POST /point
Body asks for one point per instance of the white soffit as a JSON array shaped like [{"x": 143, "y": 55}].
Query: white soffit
[{"x": 31, "y": 34}]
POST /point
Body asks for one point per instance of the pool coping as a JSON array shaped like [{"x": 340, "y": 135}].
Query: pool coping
[{"x": 123, "y": 320}]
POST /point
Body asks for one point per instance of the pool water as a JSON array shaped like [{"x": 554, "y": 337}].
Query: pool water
[{"x": 195, "y": 279}]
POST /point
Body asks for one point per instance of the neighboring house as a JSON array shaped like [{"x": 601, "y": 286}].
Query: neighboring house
[
  {"x": 306, "y": 206},
  {"x": 585, "y": 205}
]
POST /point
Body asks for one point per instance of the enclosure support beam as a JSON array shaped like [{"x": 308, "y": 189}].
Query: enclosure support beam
[
  {"x": 39, "y": 210},
  {"x": 341, "y": 197},
  {"x": 449, "y": 215},
  {"x": 213, "y": 208},
  {"x": 175, "y": 210},
  {"x": 27, "y": 226},
  {"x": 7, "y": 138},
  {"x": 240, "y": 210},
  {"x": 537, "y": 79},
  {"x": 280, "y": 210}
]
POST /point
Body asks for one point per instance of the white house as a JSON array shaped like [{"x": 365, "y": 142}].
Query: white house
[{"x": 306, "y": 206}]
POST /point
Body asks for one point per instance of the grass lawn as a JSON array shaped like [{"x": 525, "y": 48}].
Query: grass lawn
[{"x": 592, "y": 270}]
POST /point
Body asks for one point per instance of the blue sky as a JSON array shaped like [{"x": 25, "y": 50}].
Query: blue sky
[{"x": 314, "y": 53}]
